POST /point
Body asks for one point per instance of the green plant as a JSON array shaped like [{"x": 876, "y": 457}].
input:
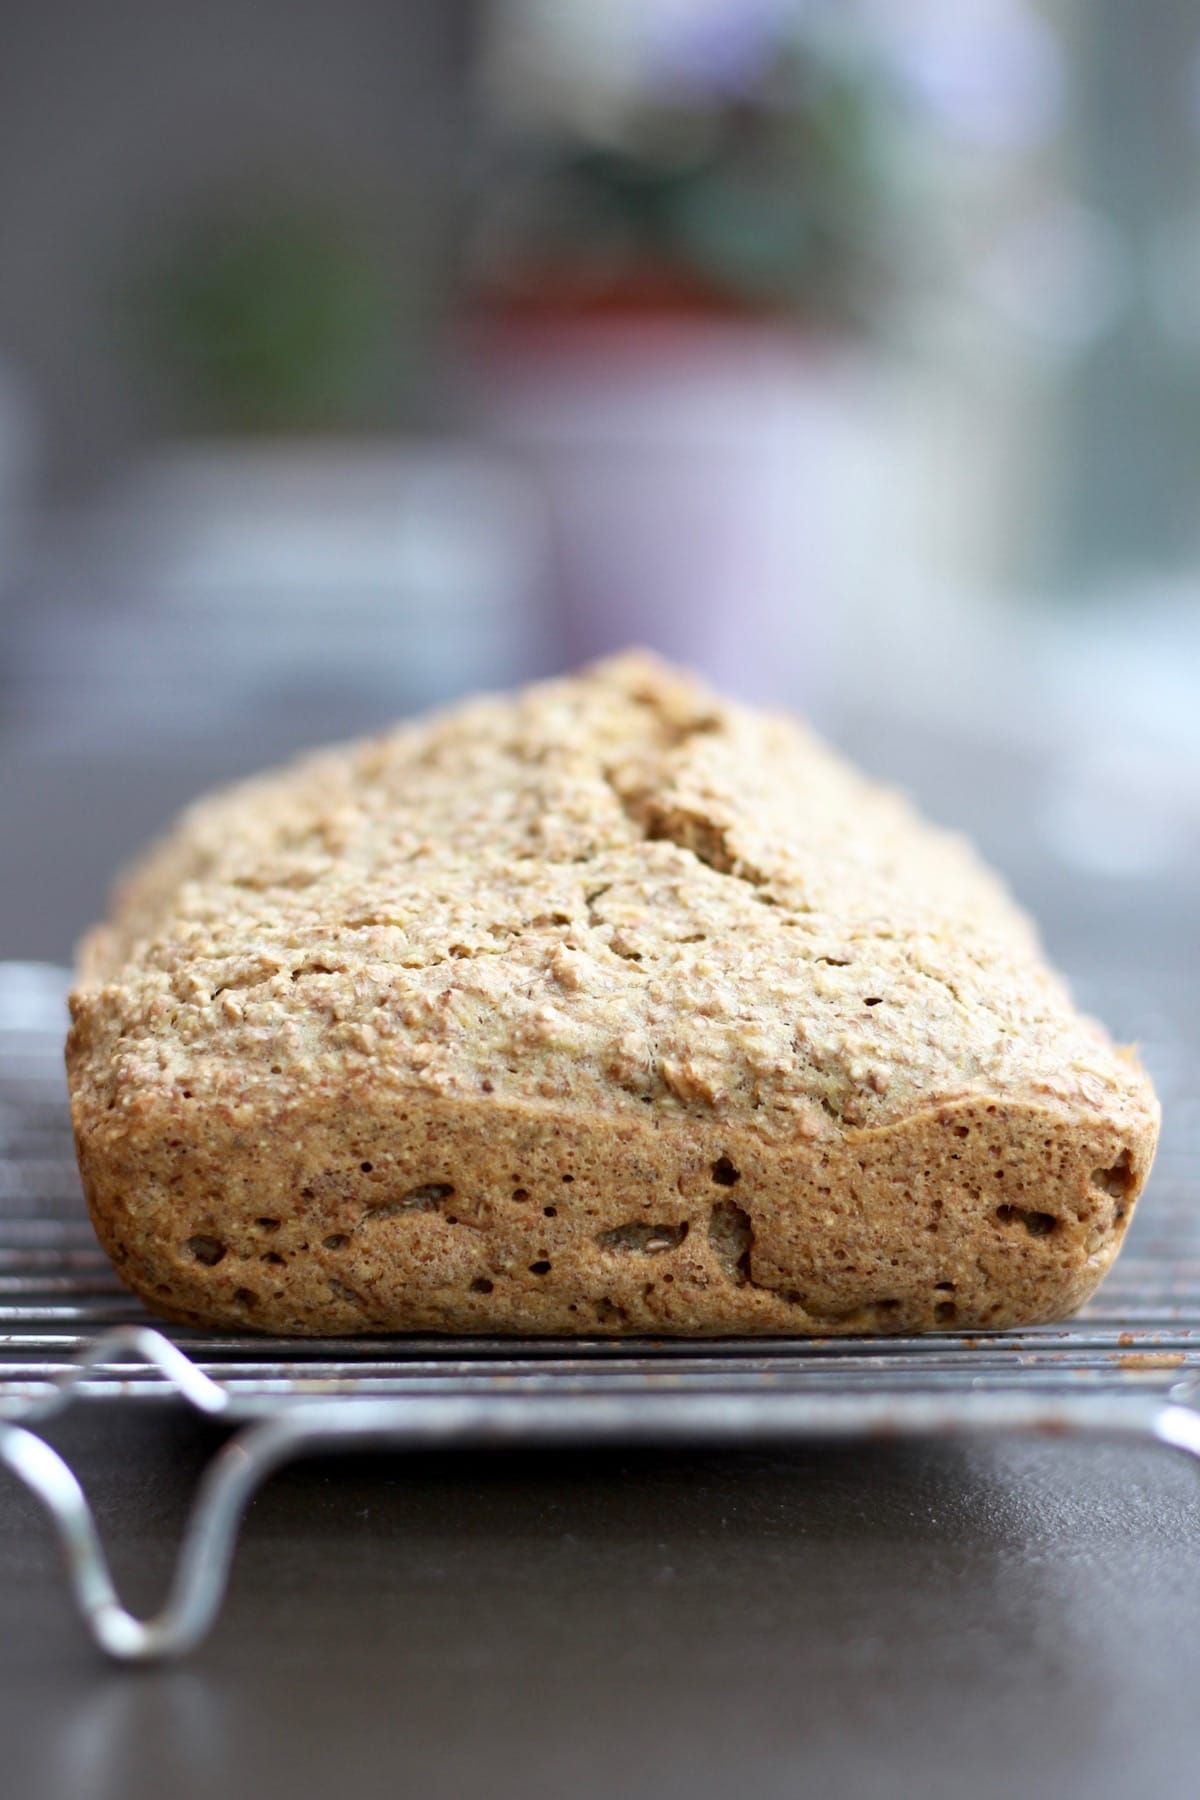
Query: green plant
[
  {"x": 780, "y": 194},
  {"x": 273, "y": 323}
]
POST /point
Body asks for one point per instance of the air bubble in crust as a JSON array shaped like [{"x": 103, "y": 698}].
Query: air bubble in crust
[
  {"x": 207, "y": 1250},
  {"x": 1116, "y": 1181},
  {"x": 643, "y": 1240},
  {"x": 731, "y": 1238},
  {"x": 1037, "y": 1224}
]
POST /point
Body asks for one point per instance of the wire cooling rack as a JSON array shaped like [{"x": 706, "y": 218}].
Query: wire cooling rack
[{"x": 1127, "y": 1366}]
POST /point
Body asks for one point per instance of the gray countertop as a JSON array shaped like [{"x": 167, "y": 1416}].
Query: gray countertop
[{"x": 991, "y": 1619}]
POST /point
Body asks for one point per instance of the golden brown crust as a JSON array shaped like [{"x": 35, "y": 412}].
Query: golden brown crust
[{"x": 608, "y": 1006}]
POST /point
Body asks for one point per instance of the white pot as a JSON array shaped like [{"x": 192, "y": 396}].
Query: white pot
[{"x": 692, "y": 486}]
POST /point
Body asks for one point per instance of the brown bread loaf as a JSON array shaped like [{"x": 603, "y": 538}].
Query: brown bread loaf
[{"x": 603, "y": 1007}]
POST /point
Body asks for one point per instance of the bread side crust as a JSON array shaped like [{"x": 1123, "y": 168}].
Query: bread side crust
[{"x": 349, "y": 1212}]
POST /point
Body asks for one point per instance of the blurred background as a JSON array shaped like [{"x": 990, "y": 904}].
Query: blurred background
[{"x": 357, "y": 355}]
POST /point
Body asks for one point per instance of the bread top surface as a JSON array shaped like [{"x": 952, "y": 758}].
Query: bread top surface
[{"x": 613, "y": 890}]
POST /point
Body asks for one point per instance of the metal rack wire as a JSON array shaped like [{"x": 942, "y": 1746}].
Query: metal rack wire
[{"x": 1127, "y": 1366}]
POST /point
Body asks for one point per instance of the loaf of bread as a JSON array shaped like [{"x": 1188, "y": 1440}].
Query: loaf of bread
[{"x": 603, "y": 1007}]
